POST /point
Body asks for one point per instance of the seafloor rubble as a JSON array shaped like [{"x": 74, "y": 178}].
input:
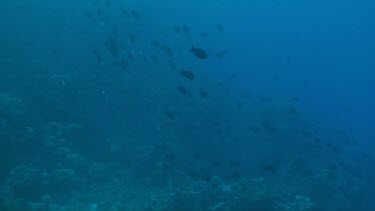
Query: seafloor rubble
[{"x": 44, "y": 167}]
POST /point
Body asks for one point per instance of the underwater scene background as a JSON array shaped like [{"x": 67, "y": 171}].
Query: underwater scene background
[{"x": 260, "y": 105}]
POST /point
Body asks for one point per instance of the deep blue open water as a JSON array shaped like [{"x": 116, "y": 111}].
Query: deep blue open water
[{"x": 201, "y": 105}]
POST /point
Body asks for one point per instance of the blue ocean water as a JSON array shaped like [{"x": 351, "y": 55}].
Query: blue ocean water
[{"x": 200, "y": 105}]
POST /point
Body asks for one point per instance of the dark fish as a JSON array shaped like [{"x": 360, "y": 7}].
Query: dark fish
[
  {"x": 255, "y": 130},
  {"x": 348, "y": 142},
  {"x": 228, "y": 129},
  {"x": 187, "y": 74},
  {"x": 186, "y": 30},
  {"x": 269, "y": 127},
  {"x": 264, "y": 99},
  {"x": 317, "y": 140},
  {"x": 292, "y": 110},
  {"x": 135, "y": 14},
  {"x": 176, "y": 29},
  {"x": 199, "y": 52},
  {"x": 156, "y": 43},
  {"x": 169, "y": 156},
  {"x": 204, "y": 34},
  {"x": 89, "y": 15},
  {"x": 307, "y": 133},
  {"x": 132, "y": 38},
  {"x": 124, "y": 64},
  {"x": 232, "y": 77},
  {"x": 98, "y": 58},
  {"x": 99, "y": 12},
  {"x": 203, "y": 93},
  {"x": 170, "y": 115},
  {"x": 108, "y": 3},
  {"x": 184, "y": 91},
  {"x": 239, "y": 105},
  {"x": 234, "y": 163},
  {"x": 112, "y": 46},
  {"x": 271, "y": 168},
  {"x": 143, "y": 57},
  {"x": 236, "y": 174},
  {"x": 295, "y": 98},
  {"x": 155, "y": 59},
  {"x": 125, "y": 14},
  {"x": 336, "y": 149},
  {"x": 221, "y": 54},
  {"x": 216, "y": 163},
  {"x": 131, "y": 55},
  {"x": 247, "y": 94},
  {"x": 219, "y": 28},
  {"x": 193, "y": 174},
  {"x": 166, "y": 49},
  {"x": 172, "y": 64},
  {"x": 207, "y": 178},
  {"x": 95, "y": 18}
]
